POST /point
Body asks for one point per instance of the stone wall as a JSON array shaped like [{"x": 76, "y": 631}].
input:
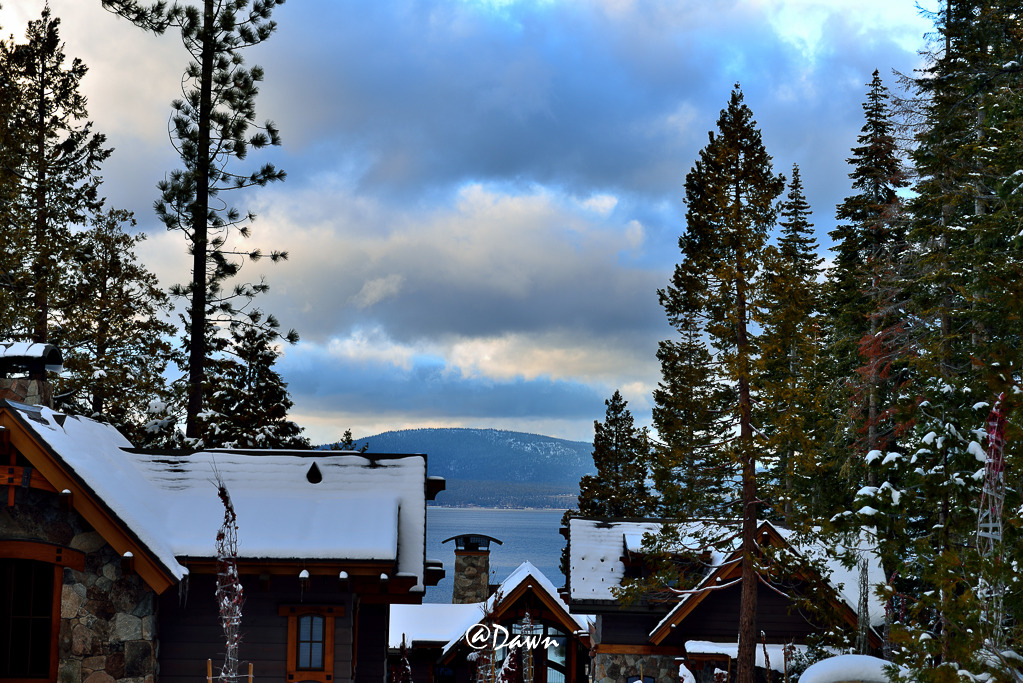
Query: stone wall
[
  {"x": 30, "y": 391},
  {"x": 618, "y": 668},
  {"x": 472, "y": 577},
  {"x": 107, "y": 619}
]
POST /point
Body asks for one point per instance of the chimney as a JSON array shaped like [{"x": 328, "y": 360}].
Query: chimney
[
  {"x": 31, "y": 362},
  {"x": 472, "y": 568}
]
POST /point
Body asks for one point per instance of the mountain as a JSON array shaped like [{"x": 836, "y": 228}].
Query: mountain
[{"x": 495, "y": 468}]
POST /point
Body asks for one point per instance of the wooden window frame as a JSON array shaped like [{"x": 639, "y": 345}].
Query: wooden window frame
[
  {"x": 58, "y": 557},
  {"x": 329, "y": 613}
]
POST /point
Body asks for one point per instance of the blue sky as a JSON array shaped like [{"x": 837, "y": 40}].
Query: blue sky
[{"x": 483, "y": 196}]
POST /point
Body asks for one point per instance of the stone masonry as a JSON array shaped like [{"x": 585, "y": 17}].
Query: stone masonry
[
  {"x": 472, "y": 577},
  {"x": 618, "y": 668},
  {"x": 29, "y": 391},
  {"x": 107, "y": 619}
]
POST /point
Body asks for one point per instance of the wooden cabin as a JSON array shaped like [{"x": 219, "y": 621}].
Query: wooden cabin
[
  {"x": 108, "y": 560},
  {"x": 525, "y": 603},
  {"x": 646, "y": 640}
]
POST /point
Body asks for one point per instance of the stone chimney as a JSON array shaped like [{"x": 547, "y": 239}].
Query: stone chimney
[
  {"x": 472, "y": 568},
  {"x": 23, "y": 367}
]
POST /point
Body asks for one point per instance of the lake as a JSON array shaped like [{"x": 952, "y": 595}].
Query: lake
[{"x": 526, "y": 534}]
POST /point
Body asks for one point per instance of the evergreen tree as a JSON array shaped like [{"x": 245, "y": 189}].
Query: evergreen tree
[
  {"x": 620, "y": 453},
  {"x": 730, "y": 196},
  {"x": 57, "y": 167},
  {"x": 688, "y": 478},
  {"x": 248, "y": 401},
  {"x": 211, "y": 129},
  {"x": 790, "y": 353},
  {"x": 116, "y": 339}
]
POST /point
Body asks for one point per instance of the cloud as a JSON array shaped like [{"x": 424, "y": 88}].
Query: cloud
[{"x": 378, "y": 289}]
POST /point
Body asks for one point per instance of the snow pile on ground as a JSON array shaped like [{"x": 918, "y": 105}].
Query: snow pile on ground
[{"x": 846, "y": 668}]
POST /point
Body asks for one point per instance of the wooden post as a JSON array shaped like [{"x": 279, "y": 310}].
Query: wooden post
[
  {"x": 209, "y": 671},
  {"x": 250, "y": 672}
]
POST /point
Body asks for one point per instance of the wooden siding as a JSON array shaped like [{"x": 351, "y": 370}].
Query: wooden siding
[
  {"x": 626, "y": 629},
  {"x": 190, "y": 633},
  {"x": 717, "y": 619}
]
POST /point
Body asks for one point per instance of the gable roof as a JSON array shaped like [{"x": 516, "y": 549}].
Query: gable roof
[
  {"x": 361, "y": 508},
  {"x": 598, "y": 549},
  {"x": 446, "y": 624}
]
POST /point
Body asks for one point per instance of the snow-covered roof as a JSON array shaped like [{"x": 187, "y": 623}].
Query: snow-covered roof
[
  {"x": 363, "y": 508},
  {"x": 597, "y": 547},
  {"x": 435, "y": 623},
  {"x": 595, "y": 555}
]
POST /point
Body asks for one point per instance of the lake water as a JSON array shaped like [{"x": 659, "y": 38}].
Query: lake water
[{"x": 526, "y": 534}]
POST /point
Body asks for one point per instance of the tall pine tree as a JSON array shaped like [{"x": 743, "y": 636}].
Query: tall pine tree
[
  {"x": 212, "y": 131},
  {"x": 730, "y": 199}
]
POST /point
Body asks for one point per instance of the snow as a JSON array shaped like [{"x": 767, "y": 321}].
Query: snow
[
  {"x": 872, "y": 456},
  {"x": 596, "y": 553},
  {"x": 431, "y": 622},
  {"x": 775, "y": 652},
  {"x": 977, "y": 451},
  {"x": 361, "y": 510},
  {"x": 846, "y": 668},
  {"x": 685, "y": 675}
]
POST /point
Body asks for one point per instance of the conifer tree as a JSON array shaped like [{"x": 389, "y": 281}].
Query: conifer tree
[
  {"x": 57, "y": 168},
  {"x": 730, "y": 197},
  {"x": 688, "y": 477},
  {"x": 620, "y": 453},
  {"x": 116, "y": 338},
  {"x": 211, "y": 129},
  {"x": 248, "y": 400},
  {"x": 790, "y": 350}
]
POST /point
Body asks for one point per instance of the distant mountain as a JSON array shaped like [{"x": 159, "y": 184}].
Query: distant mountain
[{"x": 495, "y": 468}]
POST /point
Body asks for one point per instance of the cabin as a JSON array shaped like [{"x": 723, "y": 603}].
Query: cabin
[
  {"x": 442, "y": 641},
  {"x": 645, "y": 640},
  {"x": 108, "y": 560}
]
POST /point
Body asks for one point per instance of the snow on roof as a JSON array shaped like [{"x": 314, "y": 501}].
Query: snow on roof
[
  {"x": 846, "y": 668},
  {"x": 431, "y": 622},
  {"x": 596, "y": 548},
  {"x": 520, "y": 575},
  {"x": 775, "y": 652},
  {"x": 362, "y": 509}
]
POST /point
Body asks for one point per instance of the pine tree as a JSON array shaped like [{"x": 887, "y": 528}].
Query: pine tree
[
  {"x": 248, "y": 401},
  {"x": 620, "y": 452},
  {"x": 58, "y": 171},
  {"x": 689, "y": 480},
  {"x": 730, "y": 196},
  {"x": 790, "y": 353},
  {"x": 116, "y": 338},
  {"x": 211, "y": 131}
]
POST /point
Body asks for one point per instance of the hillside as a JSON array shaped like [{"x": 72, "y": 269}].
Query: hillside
[{"x": 495, "y": 468}]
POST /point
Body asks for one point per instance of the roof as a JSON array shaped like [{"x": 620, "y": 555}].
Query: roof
[
  {"x": 597, "y": 548},
  {"x": 444, "y": 624},
  {"x": 363, "y": 508},
  {"x": 29, "y": 355}
]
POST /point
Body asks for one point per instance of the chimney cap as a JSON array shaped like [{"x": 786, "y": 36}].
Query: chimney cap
[
  {"x": 472, "y": 541},
  {"x": 29, "y": 357}
]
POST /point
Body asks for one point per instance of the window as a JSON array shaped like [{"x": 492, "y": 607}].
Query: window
[
  {"x": 29, "y": 617},
  {"x": 311, "y": 641}
]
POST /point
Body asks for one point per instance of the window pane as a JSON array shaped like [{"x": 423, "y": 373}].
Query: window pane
[
  {"x": 316, "y": 656},
  {"x": 305, "y": 628},
  {"x": 26, "y": 618},
  {"x": 311, "y": 642}
]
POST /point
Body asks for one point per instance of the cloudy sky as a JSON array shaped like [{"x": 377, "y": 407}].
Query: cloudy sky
[{"x": 483, "y": 196}]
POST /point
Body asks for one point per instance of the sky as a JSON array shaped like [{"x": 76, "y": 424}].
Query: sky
[{"x": 484, "y": 196}]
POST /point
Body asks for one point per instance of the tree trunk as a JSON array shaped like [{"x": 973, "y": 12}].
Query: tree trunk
[
  {"x": 41, "y": 274},
  {"x": 746, "y": 656},
  {"x": 200, "y": 211}
]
